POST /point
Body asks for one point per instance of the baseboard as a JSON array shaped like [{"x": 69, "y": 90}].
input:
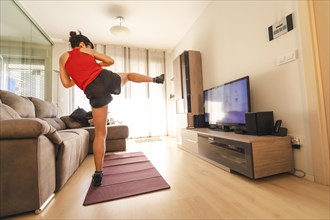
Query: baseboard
[{"x": 309, "y": 177}]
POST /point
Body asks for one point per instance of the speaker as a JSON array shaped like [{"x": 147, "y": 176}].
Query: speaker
[
  {"x": 259, "y": 123},
  {"x": 199, "y": 121}
]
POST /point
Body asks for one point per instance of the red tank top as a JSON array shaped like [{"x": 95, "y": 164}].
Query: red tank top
[{"x": 82, "y": 68}]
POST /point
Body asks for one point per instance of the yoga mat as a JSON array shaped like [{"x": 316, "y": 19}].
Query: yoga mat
[{"x": 124, "y": 175}]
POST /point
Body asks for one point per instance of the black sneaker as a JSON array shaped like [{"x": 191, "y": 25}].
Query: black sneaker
[
  {"x": 97, "y": 178},
  {"x": 159, "y": 79}
]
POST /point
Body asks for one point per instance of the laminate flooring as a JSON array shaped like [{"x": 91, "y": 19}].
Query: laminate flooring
[{"x": 199, "y": 190}]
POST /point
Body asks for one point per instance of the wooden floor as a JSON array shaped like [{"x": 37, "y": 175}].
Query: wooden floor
[{"x": 199, "y": 190}]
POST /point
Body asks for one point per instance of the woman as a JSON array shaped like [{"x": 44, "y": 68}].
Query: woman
[{"x": 80, "y": 67}]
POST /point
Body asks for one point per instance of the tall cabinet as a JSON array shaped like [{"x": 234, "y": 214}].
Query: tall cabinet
[{"x": 188, "y": 86}]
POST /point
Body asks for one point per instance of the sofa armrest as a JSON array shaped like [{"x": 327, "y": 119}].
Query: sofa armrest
[{"x": 28, "y": 128}]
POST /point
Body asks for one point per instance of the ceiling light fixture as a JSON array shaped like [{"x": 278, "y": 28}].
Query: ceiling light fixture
[{"x": 119, "y": 30}]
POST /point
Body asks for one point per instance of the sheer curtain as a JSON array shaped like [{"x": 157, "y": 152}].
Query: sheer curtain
[
  {"x": 141, "y": 106},
  {"x": 157, "y": 96}
]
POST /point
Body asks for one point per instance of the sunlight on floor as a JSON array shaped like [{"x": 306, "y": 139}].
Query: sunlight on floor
[{"x": 158, "y": 152}]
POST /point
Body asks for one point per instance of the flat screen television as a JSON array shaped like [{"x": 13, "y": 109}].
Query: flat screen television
[{"x": 225, "y": 105}]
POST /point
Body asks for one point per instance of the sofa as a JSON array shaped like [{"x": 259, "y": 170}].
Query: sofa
[{"x": 40, "y": 151}]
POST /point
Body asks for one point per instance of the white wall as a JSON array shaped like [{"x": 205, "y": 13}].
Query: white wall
[
  {"x": 61, "y": 96},
  {"x": 233, "y": 40}
]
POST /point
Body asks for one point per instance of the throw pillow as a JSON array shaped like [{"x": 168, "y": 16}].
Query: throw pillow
[
  {"x": 81, "y": 116},
  {"x": 70, "y": 123},
  {"x": 7, "y": 113}
]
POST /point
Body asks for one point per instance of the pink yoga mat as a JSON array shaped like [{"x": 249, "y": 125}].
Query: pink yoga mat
[{"x": 124, "y": 175}]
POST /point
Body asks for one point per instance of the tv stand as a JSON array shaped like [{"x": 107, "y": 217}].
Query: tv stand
[
  {"x": 224, "y": 128},
  {"x": 252, "y": 156}
]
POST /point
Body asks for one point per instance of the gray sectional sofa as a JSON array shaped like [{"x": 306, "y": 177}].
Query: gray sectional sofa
[{"x": 39, "y": 152}]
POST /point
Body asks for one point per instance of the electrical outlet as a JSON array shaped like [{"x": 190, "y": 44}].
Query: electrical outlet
[
  {"x": 295, "y": 141},
  {"x": 287, "y": 57}
]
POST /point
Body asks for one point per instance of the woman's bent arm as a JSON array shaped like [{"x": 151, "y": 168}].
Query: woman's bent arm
[{"x": 64, "y": 76}]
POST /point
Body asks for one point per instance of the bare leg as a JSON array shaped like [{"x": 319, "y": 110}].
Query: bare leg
[
  {"x": 100, "y": 122},
  {"x": 134, "y": 77}
]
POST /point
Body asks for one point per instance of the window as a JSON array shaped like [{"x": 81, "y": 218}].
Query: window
[
  {"x": 25, "y": 54},
  {"x": 26, "y": 80}
]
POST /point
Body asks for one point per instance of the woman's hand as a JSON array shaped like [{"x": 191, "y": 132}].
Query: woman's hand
[{"x": 105, "y": 60}]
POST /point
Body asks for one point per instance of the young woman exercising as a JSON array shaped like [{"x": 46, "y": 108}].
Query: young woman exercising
[{"x": 80, "y": 67}]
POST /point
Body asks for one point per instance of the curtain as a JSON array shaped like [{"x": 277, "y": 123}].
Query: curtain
[
  {"x": 141, "y": 106},
  {"x": 157, "y": 96}
]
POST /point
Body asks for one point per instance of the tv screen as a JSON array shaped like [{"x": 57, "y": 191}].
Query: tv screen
[{"x": 227, "y": 104}]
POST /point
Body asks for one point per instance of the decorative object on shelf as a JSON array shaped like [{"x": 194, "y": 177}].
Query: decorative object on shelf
[{"x": 120, "y": 30}]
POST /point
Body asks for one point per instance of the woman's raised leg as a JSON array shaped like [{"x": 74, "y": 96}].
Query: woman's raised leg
[{"x": 139, "y": 78}]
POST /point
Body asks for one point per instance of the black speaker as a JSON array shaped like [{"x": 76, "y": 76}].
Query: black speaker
[
  {"x": 259, "y": 123},
  {"x": 199, "y": 121}
]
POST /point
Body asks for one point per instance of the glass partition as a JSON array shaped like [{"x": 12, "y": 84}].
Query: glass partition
[{"x": 25, "y": 54}]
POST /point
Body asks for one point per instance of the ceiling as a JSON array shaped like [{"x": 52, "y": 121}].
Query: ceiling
[{"x": 152, "y": 24}]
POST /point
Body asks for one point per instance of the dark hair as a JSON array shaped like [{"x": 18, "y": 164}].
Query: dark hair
[{"x": 75, "y": 39}]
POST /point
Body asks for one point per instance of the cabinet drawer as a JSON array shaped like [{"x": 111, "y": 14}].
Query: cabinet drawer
[
  {"x": 190, "y": 145},
  {"x": 188, "y": 134},
  {"x": 189, "y": 141}
]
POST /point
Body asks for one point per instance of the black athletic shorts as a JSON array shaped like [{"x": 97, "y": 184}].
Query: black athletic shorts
[{"x": 100, "y": 89}]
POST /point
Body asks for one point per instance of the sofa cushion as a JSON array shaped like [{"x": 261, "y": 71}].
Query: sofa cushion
[
  {"x": 113, "y": 132},
  {"x": 44, "y": 109},
  {"x": 23, "y": 106},
  {"x": 84, "y": 138},
  {"x": 70, "y": 154},
  {"x": 57, "y": 123},
  {"x": 6, "y": 113}
]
